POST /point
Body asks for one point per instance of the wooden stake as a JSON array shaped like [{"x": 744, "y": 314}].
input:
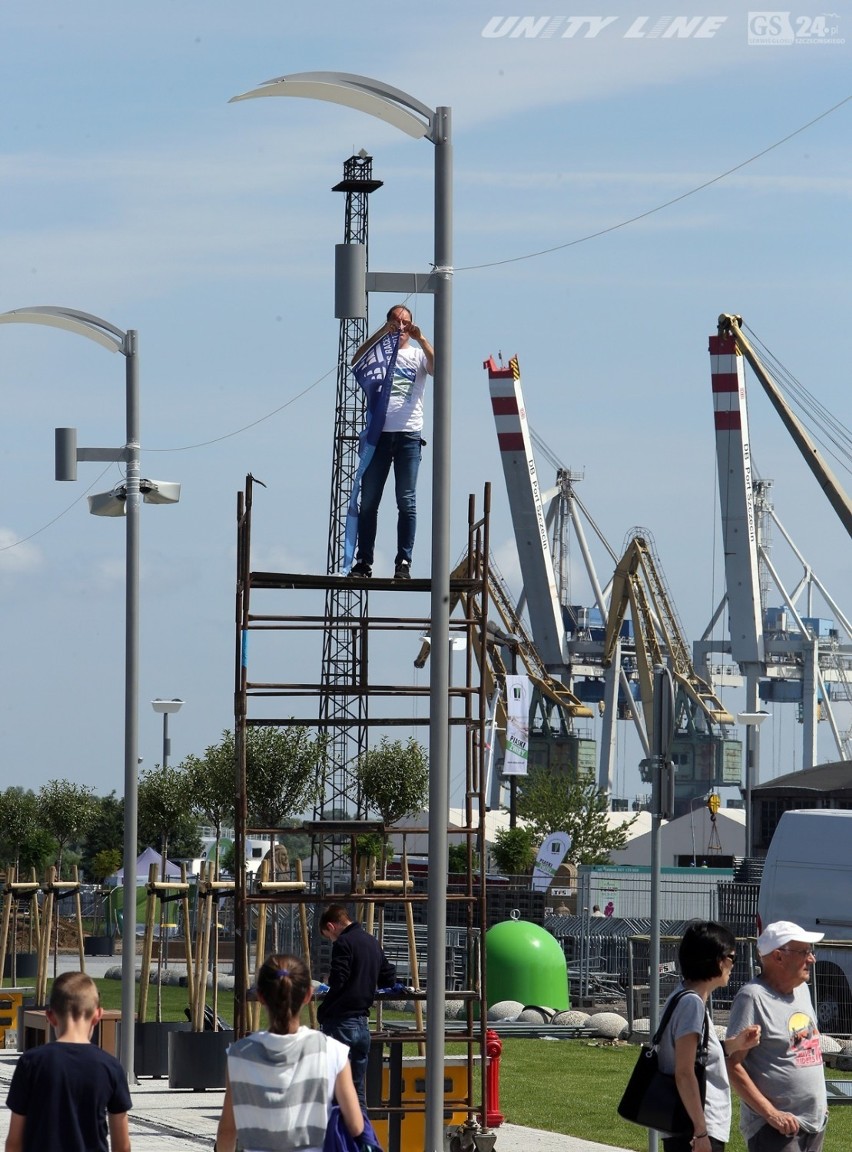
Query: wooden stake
[
  {"x": 306, "y": 945},
  {"x": 147, "y": 943},
  {"x": 412, "y": 955}
]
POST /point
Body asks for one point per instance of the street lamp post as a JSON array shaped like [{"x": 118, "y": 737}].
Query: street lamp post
[
  {"x": 127, "y": 502},
  {"x": 167, "y": 708},
  {"x": 416, "y": 119},
  {"x": 695, "y": 800},
  {"x": 752, "y": 721},
  {"x": 662, "y": 735}
]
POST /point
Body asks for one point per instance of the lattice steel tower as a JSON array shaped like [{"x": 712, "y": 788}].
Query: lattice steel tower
[{"x": 343, "y": 713}]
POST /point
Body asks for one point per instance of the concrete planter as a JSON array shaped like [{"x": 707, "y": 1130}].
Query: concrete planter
[
  {"x": 26, "y": 965},
  {"x": 197, "y": 1060},
  {"x": 151, "y": 1047},
  {"x": 98, "y": 946}
]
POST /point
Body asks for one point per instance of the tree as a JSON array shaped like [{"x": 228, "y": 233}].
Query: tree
[
  {"x": 513, "y": 850},
  {"x": 165, "y": 807},
  {"x": 105, "y": 864},
  {"x": 65, "y": 810},
  {"x": 105, "y": 832},
  {"x": 548, "y": 801},
  {"x": 394, "y": 778},
  {"x": 372, "y": 846},
  {"x": 214, "y": 786},
  {"x": 457, "y": 858},
  {"x": 24, "y": 843},
  {"x": 227, "y": 858},
  {"x": 285, "y": 773},
  {"x": 298, "y": 844}
]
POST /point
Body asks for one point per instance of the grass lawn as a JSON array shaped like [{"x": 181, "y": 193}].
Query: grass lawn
[
  {"x": 568, "y": 1086},
  {"x": 572, "y": 1086},
  {"x": 174, "y": 1000}
]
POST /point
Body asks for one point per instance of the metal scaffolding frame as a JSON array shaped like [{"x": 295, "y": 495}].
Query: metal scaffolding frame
[{"x": 393, "y": 706}]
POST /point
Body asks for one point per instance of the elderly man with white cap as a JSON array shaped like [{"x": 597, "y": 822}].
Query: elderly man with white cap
[{"x": 781, "y": 1082}]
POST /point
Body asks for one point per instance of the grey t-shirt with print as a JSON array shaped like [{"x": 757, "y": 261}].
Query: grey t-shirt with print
[
  {"x": 786, "y": 1066},
  {"x": 687, "y": 1017}
]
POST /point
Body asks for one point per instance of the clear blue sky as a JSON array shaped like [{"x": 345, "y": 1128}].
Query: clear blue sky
[{"x": 132, "y": 189}]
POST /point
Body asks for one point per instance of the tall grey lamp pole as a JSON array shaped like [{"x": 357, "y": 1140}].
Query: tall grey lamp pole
[
  {"x": 416, "y": 119},
  {"x": 167, "y": 708},
  {"x": 121, "y": 501},
  {"x": 662, "y": 735},
  {"x": 752, "y": 721}
]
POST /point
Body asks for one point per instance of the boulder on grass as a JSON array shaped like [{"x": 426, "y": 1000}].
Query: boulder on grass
[
  {"x": 505, "y": 1010},
  {"x": 607, "y": 1024},
  {"x": 533, "y": 1014},
  {"x": 573, "y": 1018}
]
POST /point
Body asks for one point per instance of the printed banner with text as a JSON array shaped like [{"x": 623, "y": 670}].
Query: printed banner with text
[{"x": 517, "y": 726}]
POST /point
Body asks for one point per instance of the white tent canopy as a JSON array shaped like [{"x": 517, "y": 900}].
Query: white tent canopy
[
  {"x": 149, "y": 856},
  {"x": 688, "y": 834}
]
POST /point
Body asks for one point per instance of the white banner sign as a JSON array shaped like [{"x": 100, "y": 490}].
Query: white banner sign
[
  {"x": 517, "y": 726},
  {"x": 550, "y": 856}
]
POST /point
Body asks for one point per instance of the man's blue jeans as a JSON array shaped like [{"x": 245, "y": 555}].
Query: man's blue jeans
[
  {"x": 354, "y": 1031},
  {"x": 402, "y": 451}
]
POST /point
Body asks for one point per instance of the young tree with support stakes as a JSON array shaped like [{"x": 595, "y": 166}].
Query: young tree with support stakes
[
  {"x": 65, "y": 811},
  {"x": 286, "y": 771},
  {"x": 165, "y": 804}
]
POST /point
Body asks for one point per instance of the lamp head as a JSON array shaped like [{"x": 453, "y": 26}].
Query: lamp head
[
  {"x": 754, "y": 719},
  {"x": 167, "y": 706}
]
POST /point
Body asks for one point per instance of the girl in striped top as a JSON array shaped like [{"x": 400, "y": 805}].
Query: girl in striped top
[{"x": 282, "y": 1082}]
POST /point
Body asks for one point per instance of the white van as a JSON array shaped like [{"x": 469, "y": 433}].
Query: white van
[{"x": 807, "y": 878}]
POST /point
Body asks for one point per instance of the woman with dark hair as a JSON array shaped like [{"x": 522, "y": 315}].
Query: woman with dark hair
[
  {"x": 281, "y": 1082},
  {"x": 706, "y": 955}
]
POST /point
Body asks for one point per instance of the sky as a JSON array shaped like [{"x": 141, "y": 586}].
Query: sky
[{"x": 131, "y": 189}]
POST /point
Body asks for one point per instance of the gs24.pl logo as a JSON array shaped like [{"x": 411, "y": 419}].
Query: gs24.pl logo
[{"x": 780, "y": 29}]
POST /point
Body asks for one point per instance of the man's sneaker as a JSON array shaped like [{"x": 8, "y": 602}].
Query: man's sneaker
[
  {"x": 402, "y": 570},
  {"x": 362, "y": 569}
]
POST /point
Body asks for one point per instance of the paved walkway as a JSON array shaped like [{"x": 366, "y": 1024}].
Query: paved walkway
[{"x": 170, "y": 1120}]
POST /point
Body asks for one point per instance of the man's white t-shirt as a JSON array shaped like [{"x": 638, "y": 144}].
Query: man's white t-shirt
[{"x": 408, "y": 383}]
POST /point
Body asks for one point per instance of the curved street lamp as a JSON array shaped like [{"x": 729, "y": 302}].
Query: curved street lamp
[
  {"x": 413, "y": 117},
  {"x": 67, "y": 454}
]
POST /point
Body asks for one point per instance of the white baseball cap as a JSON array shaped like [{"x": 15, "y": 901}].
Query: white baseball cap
[{"x": 784, "y": 932}]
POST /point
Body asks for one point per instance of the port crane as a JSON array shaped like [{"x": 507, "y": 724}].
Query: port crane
[
  {"x": 785, "y": 654},
  {"x": 703, "y": 756},
  {"x": 509, "y": 648},
  {"x": 568, "y": 638}
]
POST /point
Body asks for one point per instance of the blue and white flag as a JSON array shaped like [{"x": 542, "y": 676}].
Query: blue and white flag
[{"x": 374, "y": 372}]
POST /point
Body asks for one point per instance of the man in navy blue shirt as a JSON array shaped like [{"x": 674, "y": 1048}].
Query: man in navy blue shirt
[{"x": 358, "y": 968}]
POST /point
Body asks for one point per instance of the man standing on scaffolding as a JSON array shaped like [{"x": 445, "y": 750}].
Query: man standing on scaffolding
[{"x": 399, "y": 445}]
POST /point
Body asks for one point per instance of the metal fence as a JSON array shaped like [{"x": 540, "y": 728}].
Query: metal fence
[
  {"x": 625, "y": 892},
  {"x": 608, "y": 963}
]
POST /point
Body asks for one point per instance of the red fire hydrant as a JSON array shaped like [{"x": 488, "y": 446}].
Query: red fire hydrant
[{"x": 493, "y": 1049}]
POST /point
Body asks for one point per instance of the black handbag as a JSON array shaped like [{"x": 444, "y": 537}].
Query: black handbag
[{"x": 651, "y": 1098}]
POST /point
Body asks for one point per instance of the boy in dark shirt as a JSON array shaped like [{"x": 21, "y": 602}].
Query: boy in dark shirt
[{"x": 62, "y": 1093}]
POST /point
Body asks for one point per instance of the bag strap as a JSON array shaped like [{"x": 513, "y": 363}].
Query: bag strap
[{"x": 672, "y": 1004}]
